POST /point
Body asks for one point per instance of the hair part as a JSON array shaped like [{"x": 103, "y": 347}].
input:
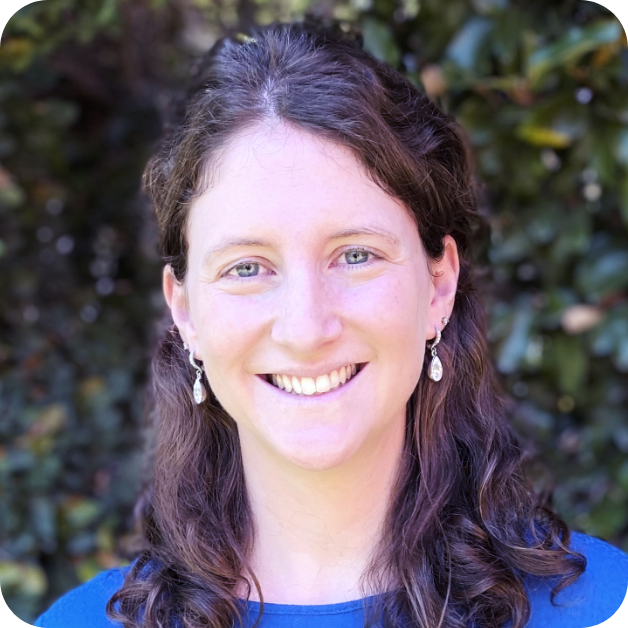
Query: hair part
[{"x": 464, "y": 529}]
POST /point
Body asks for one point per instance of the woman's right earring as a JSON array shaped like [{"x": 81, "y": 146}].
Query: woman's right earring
[
  {"x": 435, "y": 369},
  {"x": 200, "y": 394}
]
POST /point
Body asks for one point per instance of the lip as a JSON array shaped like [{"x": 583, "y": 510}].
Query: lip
[{"x": 328, "y": 396}]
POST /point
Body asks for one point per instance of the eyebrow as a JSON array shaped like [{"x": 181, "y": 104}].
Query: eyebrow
[{"x": 338, "y": 235}]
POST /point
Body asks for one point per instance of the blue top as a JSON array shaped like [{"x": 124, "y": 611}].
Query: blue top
[{"x": 591, "y": 600}]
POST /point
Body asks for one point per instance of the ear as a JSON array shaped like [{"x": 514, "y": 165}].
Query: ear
[
  {"x": 445, "y": 282},
  {"x": 177, "y": 300}
]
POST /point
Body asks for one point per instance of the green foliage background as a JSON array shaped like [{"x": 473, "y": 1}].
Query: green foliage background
[{"x": 542, "y": 90}]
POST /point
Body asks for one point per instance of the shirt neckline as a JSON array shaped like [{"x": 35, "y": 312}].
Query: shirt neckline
[{"x": 335, "y": 608}]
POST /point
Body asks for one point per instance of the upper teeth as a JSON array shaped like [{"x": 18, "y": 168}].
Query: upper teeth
[{"x": 310, "y": 385}]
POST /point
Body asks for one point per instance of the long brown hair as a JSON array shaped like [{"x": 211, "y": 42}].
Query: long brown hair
[{"x": 464, "y": 529}]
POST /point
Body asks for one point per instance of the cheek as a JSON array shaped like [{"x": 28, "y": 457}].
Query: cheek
[
  {"x": 394, "y": 314},
  {"x": 393, "y": 306},
  {"x": 228, "y": 326}
]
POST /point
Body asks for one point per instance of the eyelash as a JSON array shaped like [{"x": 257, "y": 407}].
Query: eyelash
[{"x": 352, "y": 267}]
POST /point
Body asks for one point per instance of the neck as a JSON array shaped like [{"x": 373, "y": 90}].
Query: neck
[{"x": 316, "y": 531}]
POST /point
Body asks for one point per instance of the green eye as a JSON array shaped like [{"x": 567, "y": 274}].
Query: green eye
[
  {"x": 247, "y": 269},
  {"x": 355, "y": 256}
]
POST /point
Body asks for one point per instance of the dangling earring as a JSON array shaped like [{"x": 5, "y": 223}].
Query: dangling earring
[
  {"x": 435, "y": 369},
  {"x": 200, "y": 394}
]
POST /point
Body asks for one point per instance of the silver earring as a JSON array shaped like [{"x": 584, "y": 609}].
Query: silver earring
[
  {"x": 200, "y": 394},
  {"x": 435, "y": 369}
]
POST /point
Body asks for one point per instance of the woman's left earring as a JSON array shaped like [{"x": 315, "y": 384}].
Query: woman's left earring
[
  {"x": 435, "y": 369},
  {"x": 200, "y": 394}
]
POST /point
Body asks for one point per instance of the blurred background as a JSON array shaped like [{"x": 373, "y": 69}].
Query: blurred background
[{"x": 542, "y": 90}]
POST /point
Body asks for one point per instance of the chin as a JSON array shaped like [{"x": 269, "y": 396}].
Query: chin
[{"x": 317, "y": 452}]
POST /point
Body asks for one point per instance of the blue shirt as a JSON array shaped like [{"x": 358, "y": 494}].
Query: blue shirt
[{"x": 591, "y": 600}]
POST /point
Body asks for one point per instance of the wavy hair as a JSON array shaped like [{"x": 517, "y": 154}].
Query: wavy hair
[{"x": 464, "y": 528}]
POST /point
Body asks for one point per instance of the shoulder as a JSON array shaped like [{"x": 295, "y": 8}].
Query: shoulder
[
  {"x": 87, "y": 600},
  {"x": 593, "y": 598}
]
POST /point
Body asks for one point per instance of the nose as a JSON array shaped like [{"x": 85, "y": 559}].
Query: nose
[{"x": 307, "y": 313}]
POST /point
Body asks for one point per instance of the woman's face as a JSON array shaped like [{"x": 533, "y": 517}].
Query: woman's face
[{"x": 300, "y": 266}]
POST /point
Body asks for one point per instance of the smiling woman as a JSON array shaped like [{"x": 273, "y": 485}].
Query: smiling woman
[
  {"x": 351, "y": 462},
  {"x": 316, "y": 285}
]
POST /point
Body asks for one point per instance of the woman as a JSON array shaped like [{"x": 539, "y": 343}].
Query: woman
[{"x": 332, "y": 448}]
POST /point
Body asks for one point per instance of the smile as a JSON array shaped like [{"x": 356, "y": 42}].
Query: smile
[{"x": 313, "y": 386}]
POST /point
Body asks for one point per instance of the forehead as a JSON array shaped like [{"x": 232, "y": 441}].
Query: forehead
[
  {"x": 281, "y": 153},
  {"x": 278, "y": 174}
]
